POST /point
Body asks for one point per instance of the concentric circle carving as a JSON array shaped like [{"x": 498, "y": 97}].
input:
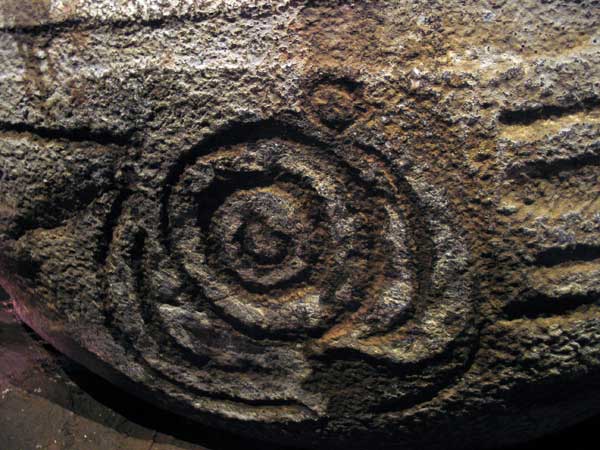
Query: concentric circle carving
[{"x": 292, "y": 248}]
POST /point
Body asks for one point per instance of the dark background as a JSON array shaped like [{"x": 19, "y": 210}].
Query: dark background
[{"x": 37, "y": 383}]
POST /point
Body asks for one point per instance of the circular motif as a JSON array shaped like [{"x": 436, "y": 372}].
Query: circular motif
[
  {"x": 280, "y": 250},
  {"x": 283, "y": 240},
  {"x": 257, "y": 231}
]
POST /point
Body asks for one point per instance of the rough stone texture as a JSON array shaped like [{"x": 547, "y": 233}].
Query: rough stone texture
[
  {"x": 49, "y": 402},
  {"x": 314, "y": 222}
]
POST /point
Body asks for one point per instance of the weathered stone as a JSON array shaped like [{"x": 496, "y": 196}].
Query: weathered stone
[{"x": 319, "y": 223}]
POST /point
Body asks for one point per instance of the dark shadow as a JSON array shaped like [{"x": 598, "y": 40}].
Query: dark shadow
[
  {"x": 3, "y": 295},
  {"x": 582, "y": 436},
  {"x": 527, "y": 116},
  {"x": 88, "y": 395},
  {"x": 147, "y": 415},
  {"x": 75, "y": 388}
]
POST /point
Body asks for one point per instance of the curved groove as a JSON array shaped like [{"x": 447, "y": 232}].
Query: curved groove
[
  {"x": 575, "y": 253},
  {"x": 233, "y": 134},
  {"x": 241, "y": 401},
  {"x": 276, "y": 129},
  {"x": 78, "y": 134},
  {"x": 208, "y": 394},
  {"x": 549, "y": 169},
  {"x": 421, "y": 244},
  {"x": 528, "y": 116},
  {"x": 539, "y": 306},
  {"x": 426, "y": 394},
  {"x": 109, "y": 225},
  {"x": 149, "y": 318}
]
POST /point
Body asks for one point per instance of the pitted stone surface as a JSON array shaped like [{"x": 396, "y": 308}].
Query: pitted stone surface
[{"x": 318, "y": 223}]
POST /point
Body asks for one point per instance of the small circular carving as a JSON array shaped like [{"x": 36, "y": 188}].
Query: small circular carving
[
  {"x": 263, "y": 243},
  {"x": 335, "y": 105},
  {"x": 257, "y": 234}
]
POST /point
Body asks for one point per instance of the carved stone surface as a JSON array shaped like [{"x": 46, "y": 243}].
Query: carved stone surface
[{"x": 318, "y": 223}]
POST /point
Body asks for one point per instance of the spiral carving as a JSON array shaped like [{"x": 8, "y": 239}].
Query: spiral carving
[
  {"x": 279, "y": 244},
  {"x": 320, "y": 224}
]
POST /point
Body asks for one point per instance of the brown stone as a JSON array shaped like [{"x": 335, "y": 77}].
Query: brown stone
[{"x": 317, "y": 223}]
